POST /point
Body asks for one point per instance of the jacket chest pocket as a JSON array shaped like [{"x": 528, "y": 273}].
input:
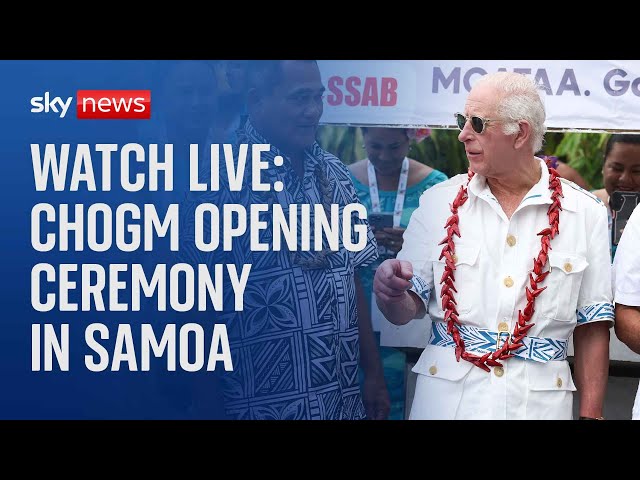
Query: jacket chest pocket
[
  {"x": 563, "y": 286},
  {"x": 465, "y": 274}
]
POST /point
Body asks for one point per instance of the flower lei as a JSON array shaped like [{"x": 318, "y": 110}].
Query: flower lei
[
  {"x": 536, "y": 276},
  {"x": 418, "y": 134}
]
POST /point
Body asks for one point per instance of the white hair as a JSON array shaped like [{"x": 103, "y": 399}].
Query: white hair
[{"x": 520, "y": 99}]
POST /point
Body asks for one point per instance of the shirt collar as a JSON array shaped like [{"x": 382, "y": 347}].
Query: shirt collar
[
  {"x": 538, "y": 195},
  {"x": 313, "y": 155}
]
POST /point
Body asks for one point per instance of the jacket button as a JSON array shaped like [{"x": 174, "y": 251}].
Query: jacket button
[
  {"x": 433, "y": 369},
  {"x": 508, "y": 282},
  {"x": 503, "y": 327},
  {"x": 568, "y": 267},
  {"x": 559, "y": 383},
  {"x": 511, "y": 240},
  {"x": 498, "y": 371}
]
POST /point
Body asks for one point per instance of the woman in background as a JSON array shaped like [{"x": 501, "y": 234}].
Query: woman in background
[
  {"x": 389, "y": 182},
  {"x": 620, "y": 171}
]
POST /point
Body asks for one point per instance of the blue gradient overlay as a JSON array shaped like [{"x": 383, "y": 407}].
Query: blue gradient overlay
[{"x": 185, "y": 99}]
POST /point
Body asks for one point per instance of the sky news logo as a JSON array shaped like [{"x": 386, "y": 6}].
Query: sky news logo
[{"x": 98, "y": 104}]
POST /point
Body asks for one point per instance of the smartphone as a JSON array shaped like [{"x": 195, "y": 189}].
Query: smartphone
[
  {"x": 622, "y": 205},
  {"x": 381, "y": 220}
]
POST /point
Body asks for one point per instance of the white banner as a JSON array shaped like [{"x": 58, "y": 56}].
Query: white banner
[{"x": 591, "y": 95}]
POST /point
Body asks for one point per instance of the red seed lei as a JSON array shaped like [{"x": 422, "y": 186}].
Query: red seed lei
[{"x": 536, "y": 276}]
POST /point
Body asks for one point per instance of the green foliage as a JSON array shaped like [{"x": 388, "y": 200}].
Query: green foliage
[
  {"x": 449, "y": 156},
  {"x": 585, "y": 153},
  {"x": 442, "y": 150},
  {"x": 344, "y": 142},
  {"x": 551, "y": 141}
]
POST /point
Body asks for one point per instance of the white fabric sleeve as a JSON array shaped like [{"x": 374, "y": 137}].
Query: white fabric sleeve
[
  {"x": 626, "y": 264},
  {"x": 414, "y": 250},
  {"x": 595, "y": 300}
]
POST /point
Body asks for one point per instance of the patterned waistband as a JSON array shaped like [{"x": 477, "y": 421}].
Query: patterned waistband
[{"x": 481, "y": 341}]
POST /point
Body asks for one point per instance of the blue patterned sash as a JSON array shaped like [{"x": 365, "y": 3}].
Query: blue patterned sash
[{"x": 481, "y": 341}]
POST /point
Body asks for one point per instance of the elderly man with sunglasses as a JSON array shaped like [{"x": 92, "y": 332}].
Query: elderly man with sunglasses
[{"x": 510, "y": 261}]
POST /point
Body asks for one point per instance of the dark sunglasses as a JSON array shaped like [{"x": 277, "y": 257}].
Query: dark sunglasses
[{"x": 477, "y": 123}]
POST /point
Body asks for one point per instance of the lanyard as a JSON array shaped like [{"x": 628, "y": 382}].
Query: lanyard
[{"x": 402, "y": 190}]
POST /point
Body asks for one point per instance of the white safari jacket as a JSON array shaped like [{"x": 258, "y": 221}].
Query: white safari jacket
[{"x": 494, "y": 257}]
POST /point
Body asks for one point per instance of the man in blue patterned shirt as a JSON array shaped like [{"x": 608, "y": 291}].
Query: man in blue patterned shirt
[{"x": 297, "y": 344}]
